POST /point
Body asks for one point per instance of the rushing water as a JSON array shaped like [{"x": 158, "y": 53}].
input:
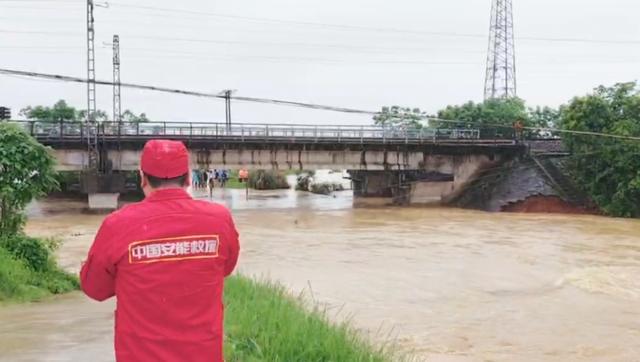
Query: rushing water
[{"x": 446, "y": 284}]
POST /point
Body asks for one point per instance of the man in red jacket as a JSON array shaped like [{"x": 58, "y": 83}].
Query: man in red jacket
[{"x": 165, "y": 259}]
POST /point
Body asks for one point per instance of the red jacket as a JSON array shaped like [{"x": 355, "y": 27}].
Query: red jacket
[{"x": 165, "y": 260}]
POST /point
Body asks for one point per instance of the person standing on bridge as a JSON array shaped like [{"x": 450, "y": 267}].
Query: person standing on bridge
[
  {"x": 165, "y": 259},
  {"x": 518, "y": 128}
]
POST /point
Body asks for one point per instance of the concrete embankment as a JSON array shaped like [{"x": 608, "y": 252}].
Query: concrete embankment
[{"x": 525, "y": 185}]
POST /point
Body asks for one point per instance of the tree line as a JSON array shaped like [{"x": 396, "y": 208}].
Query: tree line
[
  {"x": 63, "y": 112},
  {"x": 490, "y": 113}
]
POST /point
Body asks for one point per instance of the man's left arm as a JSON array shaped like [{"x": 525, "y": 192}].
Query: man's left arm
[{"x": 97, "y": 276}]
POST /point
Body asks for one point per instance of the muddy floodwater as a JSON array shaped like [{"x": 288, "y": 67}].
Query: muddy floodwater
[{"x": 444, "y": 284}]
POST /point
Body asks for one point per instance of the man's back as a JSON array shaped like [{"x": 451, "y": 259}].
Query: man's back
[{"x": 165, "y": 259}]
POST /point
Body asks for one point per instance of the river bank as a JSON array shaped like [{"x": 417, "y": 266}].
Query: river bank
[{"x": 443, "y": 284}]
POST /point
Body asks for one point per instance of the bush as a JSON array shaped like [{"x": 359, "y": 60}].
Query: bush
[
  {"x": 68, "y": 180},
  {"x": 15, "y": 279},
  {"x": 26, "y": 172},
  {"x": 303, "y": 182},
  {"x": 267, "y": 180},
  {"x": 33, "y": 252},
  {"x": 28, "y": 270}
]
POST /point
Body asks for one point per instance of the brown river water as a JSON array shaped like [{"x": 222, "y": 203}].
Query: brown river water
[{"x": 443, "y": 284}]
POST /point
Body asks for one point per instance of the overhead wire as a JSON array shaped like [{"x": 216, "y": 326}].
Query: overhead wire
[
  {"x": 173, "y": 11},
  {"x": 349, "y": 27},
  {"x": 191, "y": 55}
]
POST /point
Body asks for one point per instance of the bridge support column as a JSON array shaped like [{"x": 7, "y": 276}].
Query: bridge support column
[
  {"x": 103, "y": 189},
  {"x": 103, "y": 201},
  {"x": 398, "y": 187}
]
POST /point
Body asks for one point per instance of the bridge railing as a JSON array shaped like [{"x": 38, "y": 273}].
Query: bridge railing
[{"x": 242, "y": 132}]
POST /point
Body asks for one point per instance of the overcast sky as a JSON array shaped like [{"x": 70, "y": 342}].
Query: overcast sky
[{"x": 213, "y": 45}]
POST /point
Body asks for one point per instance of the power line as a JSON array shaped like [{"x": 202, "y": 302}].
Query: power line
[
  {"x": 39, "y": 32},
  {"x": 252, "y": 43},
  {"x": 42, "y": 1},
  {"x": 144, "y": 53},
  {"x": 292, "y": 22},
  {"x": 173, "y": 11},
  {"x": 64, "y": 78}
]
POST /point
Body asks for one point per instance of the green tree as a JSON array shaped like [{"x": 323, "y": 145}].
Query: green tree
[
  {"x": 492, "y": 112},
  {"x": 100, "y": 116},
  {"x": 60, "y": 111},
  {"x": 607, "y": 169},
  {"x": 26, "y": 172},
  {"x": 130, "y": 117},
  {"x": 402, "y": 117},
  {"x": 543, "y": 117}
]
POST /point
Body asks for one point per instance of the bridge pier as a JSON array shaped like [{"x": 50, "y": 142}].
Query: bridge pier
[
  {"x": 103, "y": 189},
  {"x": 103, "y": 201},
  {"x": 399, "y": 187}
]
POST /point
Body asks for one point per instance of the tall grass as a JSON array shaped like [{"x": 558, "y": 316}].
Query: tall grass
[
  {"x": 263, "y": 322},
  {"x": 28, "y": 270}
]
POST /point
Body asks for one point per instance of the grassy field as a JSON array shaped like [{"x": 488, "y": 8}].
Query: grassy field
[
  {"x": 233, "y": 182},
  {"x": 264, "y": 323},
  {"x": 28, "y": 271}
]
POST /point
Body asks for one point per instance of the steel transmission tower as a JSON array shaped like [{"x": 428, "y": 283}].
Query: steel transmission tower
[
  {"x": 116, "y": 79},
  {"x": 500, "y": 81},
  {"x": 92, "y": 130}
]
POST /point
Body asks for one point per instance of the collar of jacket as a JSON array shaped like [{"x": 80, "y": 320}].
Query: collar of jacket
[{"x": 168, "y": 194}]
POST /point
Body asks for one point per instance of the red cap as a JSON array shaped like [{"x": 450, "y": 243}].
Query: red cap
[{"x": 165, "y": 159}]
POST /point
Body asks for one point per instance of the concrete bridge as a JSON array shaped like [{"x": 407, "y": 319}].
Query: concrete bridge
[{"x": 386, "y": 164}]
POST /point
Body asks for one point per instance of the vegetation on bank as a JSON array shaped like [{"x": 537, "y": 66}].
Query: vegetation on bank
[
  {"x": 607, "y": 169},
  {"x": 28, "y": 270},
  {"x": 264, "y": 323},
  {"x": 267, "y": 180}
]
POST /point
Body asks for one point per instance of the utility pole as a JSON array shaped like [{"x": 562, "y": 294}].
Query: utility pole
[
  {"x": 117, "y": 114},
  {"x": 500, "y": 80},
  {"x": 227, "y": 103},
  {"x": 227, "y": 93},
  {"x": 91, "y": 129}
]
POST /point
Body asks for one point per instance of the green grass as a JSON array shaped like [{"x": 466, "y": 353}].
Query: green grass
[
  {"x": 233, "y": 182},
  {"x": 25, "y": 276},
  {"x": 263, "y": 322}
]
